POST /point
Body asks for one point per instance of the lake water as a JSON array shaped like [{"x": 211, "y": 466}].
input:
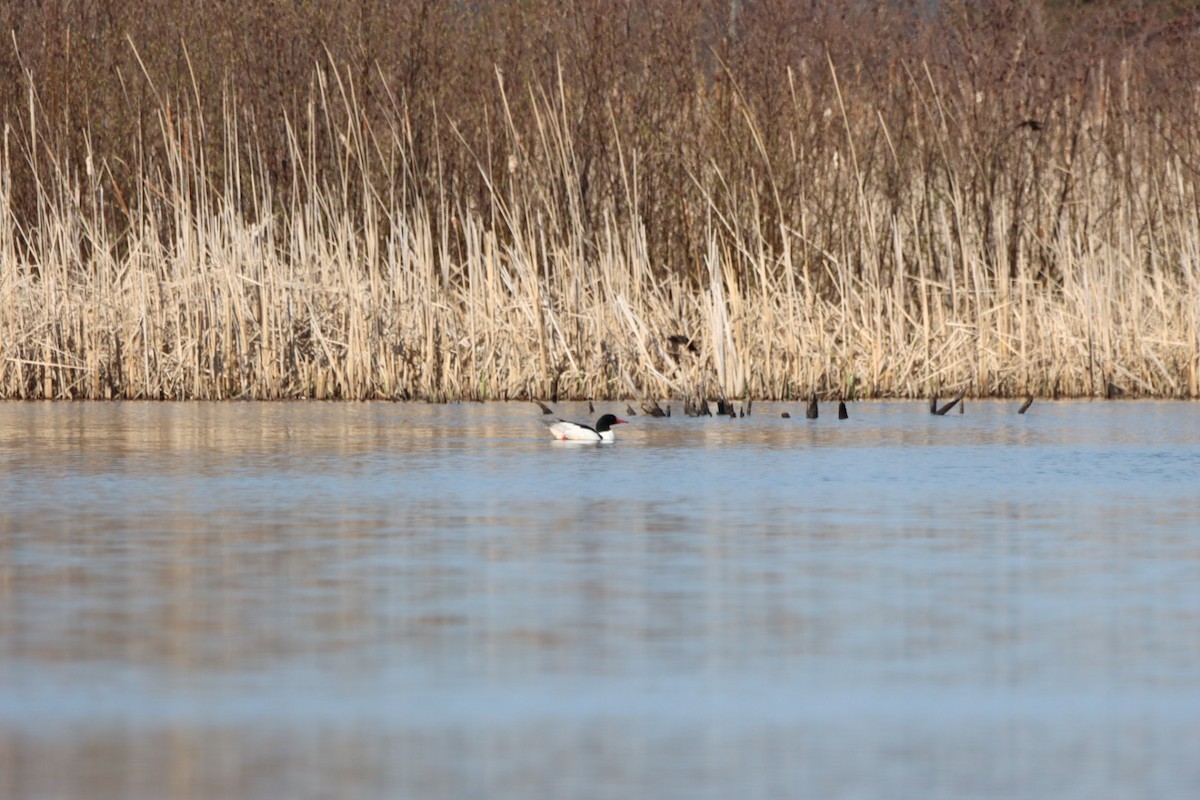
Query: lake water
[{"x": 415, "y": 601}]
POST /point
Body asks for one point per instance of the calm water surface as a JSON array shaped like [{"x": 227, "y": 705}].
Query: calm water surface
[{"x": 413, "y": 601}]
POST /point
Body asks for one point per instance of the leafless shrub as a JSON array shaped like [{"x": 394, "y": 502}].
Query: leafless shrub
[{"x": 409, "y": 198}]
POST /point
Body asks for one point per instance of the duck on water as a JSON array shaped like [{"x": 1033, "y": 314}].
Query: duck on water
[{"x": 577, "y": 432}]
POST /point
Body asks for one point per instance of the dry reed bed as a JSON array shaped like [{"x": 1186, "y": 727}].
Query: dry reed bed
[{"x": 885, "y": 262}]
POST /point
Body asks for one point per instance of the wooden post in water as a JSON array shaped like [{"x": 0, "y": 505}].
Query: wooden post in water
[{"x": 941, "y": 412}]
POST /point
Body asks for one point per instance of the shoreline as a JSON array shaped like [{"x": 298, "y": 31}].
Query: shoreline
[{"x": 675, "y": 402}]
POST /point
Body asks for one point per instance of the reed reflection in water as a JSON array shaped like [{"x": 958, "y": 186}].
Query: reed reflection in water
[{"x": 311, "y": 600}]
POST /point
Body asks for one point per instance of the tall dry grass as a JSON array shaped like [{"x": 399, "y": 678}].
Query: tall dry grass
[{"x": 422, "y": 200}]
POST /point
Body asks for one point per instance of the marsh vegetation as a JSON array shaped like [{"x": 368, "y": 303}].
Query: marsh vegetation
[{"x": 411, "y": 199}]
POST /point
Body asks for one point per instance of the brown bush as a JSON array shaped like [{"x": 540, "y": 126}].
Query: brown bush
[{"x": 983, "y": 146}]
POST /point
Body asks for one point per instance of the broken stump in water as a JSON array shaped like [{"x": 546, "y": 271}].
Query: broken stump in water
[
  {"x": 653, "y": 408},
  {"x": 941, "y": 412}
]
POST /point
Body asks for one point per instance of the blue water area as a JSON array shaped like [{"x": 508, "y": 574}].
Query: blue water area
[{"x": 438, "y": 601}]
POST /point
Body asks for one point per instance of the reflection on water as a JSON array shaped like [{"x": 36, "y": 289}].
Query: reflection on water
[{"x": 320, "y": 600}]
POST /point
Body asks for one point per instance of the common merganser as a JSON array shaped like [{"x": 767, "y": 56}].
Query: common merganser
[{"x": 575, "y": 432}]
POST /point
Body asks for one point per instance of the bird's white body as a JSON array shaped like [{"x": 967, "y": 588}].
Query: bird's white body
[{"x": 566, "y": 431}]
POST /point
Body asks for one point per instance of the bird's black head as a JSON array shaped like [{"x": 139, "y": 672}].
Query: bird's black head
[{"x": 607, "y": 421}]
